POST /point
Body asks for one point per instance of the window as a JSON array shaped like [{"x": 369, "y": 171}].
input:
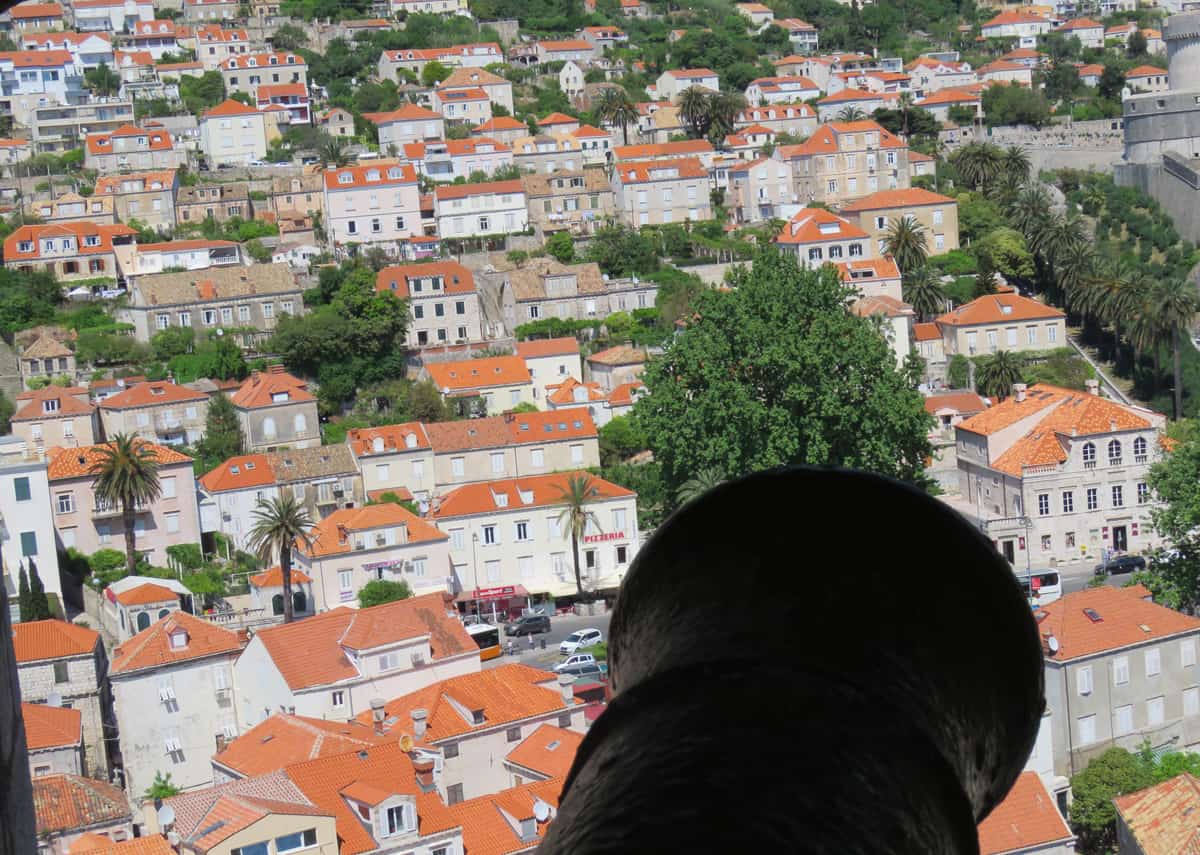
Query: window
[
  {"x": 1121, "y": 671},
  {"x": 1123, "y": 720},
  {"x": 1043, "y": 501},
  {"x": 29, "y": 543},
  {"x": 493, "y": 570},
  {"x": 497, "y": 462},
  {"x": 294, "y": 842},
  {"x": 1139, "y": 450},
  {"x": 1083, "y": 680},
  {"x": 1087, "y": 729},
  {"x": 576, "y": 453},
  {"x": 1089, "y": 457},
  {"x": 622, "y": 554},
  {"x": 458, "y": 538},
  {"x": 1153, "y": 662},
  {"x": 168, "y": 487},
  {"x": 450, "y": 750},
  {"x": 1011, "y": 336},
  {"x": 1114, "y": 453},
  {"x": 1187, "y": 652},
  {"x": 1093, "y": 498},
  {"x": 457, "y": 466},
  {"x": 345, "y": 580},
  {"x": 61, "y": 673},
  {"x": 537, "y": 458},
  {"x": 1118, "y": 496},
  {"x": 1191, "y": 701},
  {"x": 395, "y": 819},
  {"x": 522, "y": 530},
  {"x": 66, "y": 503},
  {"x": 337, "y": 699},
  {"x": 1155, "y": 708},
  {"x": 489, "y": 535},
  {"x": 1143, "y": 493},
  {"x": 454, "y": 792},
  {"x": 172, "y": 522},
  {"x": 21, "y": 489},
  {"x": 513, "y": 734},
  {"x": 1068, "y": 502},
  {"x": 1051, "y": 334}
]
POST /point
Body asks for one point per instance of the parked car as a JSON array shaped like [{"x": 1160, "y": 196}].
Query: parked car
[
  {"x": 587, "y": 671},
  {"x": 580, "y": 638},
  {"x": 1121, "y": 564},
  {"x": 574, "y": 661},
  {"x": 528, "y": 625}
]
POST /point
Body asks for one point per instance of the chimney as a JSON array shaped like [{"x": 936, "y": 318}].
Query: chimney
[
  {"x": 378, "y": 714},
  {"x": 1019, "y": 392},
  {"x": 418, "y": 720},
  {"x": 566, "y": 685},
  {"x": 423, "y": 767},
  {"x": 1093, "y": 387},
  {"x": 221, "y": 742}
]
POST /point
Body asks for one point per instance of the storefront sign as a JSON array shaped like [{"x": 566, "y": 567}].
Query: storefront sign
[
  {"x": 495, "y": 593},
  {"x": 601, "y": 538},
  {"x": 384, "y": 565},
  {"x": 1020, "y": 543},
  {"x": 108, "y": 593},
  {"x": 1134, "y": 529}
]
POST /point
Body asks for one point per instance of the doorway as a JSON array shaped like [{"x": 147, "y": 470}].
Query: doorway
[
  {"x": 1006, "y": 546},
  {"x": 1120, "y": 539}
]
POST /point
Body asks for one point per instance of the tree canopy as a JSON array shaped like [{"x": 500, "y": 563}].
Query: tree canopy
[{"x": 778, "y": 371}]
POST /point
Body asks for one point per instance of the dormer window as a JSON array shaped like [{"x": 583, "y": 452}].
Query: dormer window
[
  {"x": 179, "y": 639},
  {"x": 373, "y": 175},
  {"x": 278, "y": 397},
  {"x": 394, "y": 172},
  {"x": 398, "y": 819},
  {"x": 501, "y": 499},
  {"x": 477, "y": 717},
  {"x": 50, "y": 406},
  {"x": 345, "y": 178},
  {"x": 91, "y": 240},
  {"x": 25, "y": 246}
]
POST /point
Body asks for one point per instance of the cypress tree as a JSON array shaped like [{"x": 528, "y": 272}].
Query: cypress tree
[
  {"x": 24, "y": 597},
  {"x": 39, "y": 603}
]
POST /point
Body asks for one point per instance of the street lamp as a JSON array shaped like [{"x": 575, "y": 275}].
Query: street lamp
[{"x": 475, "y": 568}]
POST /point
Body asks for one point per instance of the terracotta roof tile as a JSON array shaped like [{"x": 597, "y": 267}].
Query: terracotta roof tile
[
  {"x": 499, "y": 123},
  {"x": 816, "y": 225},
  {"x": 1145, "y": 71},
  {"x": 949, "y": 96},
  {"x": 80, "y": 462},
  {"x": 534, "y": 491},
  {"x": 660, "y": 170},
  {"x": 549, "y": 751},
  {"x": 998, "y": 309},
  {"x": 691, "y": 73},
  {"x": 152, "y": 646},
  {"x": 505, "y": 695},
  {"x": 621, "y": 354},
  {"x": 826, "y": 139},
  {"x": 547, "y": 347},
  {"x": 964, "y": 402},
  {"x": 51, "y": 727},
  {"x": 272, "y": 577},
  {"x": 404, "y": 113},
  {"x": 1015, "y": 17},
  {"x": 80, "y": 231},
  {"x": 36, "y": 10},
  {"x": 243, "y": 472},
  {"x": 1162, "y": 818},
  {"x": 471, "y": 374},
  {"x": 409, "y": 435},
  {"x": 626, "y": 394},
  {"x": 1027, "y": 820},
  {"x": 565, "y": 45},
  {"x": 270, "y": 388},
  {"x": 1125, "y": 619},
  {"x": 156, "y": 139},
  {"x": 565, "y": 392},
  {"x": 69, "y": 803},
  {"x": 145, "y": 594},
  {"x": 67, "y": 404},
  {"x": 284, "y": 739},
  {"x": 463, "y": 191},
  {"x": 511, "y": 429},
  {"x": 98, "y": 844},
  {"x": 151, "y": 393},
  {"x": 456, "y": 279},
  {"x": 311, "y": 652},
  {"x": 484, "y": 827},
  {"x": 926, "y": 332},
  {"x": 662, "y": 150},
  {"x": 52, "y": 639},
  {"x": 334, "y": 535},
  {"x": 229, "y": 107},
  {"x": 910, "y": 197}
]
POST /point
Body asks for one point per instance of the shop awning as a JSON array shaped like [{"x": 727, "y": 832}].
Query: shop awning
[{"x": 485, "y": 595}]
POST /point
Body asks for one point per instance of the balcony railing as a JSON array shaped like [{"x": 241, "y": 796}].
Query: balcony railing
[
  {"x": 1114, "y": 461},
  {"x": 1140, "y": 458},
  {"x": 105, "y": 509},
  {"x": 1089, "y": 464}
]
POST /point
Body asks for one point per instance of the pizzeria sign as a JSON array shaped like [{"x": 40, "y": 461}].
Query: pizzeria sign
[{"x": 602, "y": 538}]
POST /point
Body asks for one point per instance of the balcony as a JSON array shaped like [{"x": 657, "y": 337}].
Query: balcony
[
  {"x": 105, "y": 510},
  {"x": 1089, "y": 464},
  {"x": 1114, "y": 461},
  {"x": 1140, "y": 458}
]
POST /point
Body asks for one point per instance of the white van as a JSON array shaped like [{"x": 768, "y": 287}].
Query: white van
[{"x": 1041, "y": 587}]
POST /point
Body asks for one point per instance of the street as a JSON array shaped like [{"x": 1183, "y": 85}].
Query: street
[{"x": 560, "y": 628}]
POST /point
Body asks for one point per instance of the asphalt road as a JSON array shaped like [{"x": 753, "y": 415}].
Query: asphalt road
[{"x": 560, "y": 628}]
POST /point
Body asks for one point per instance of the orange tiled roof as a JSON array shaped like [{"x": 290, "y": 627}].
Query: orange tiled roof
[
  {"x": 51, "y": 727},
  {"x": 156, "y": 140},
  {"x": 872, "y": 270},
  {"x": 1125, "y": 619},
  {"x": 163, "y": 178},
  {"x": 1162, "y": 818},
  {"x": 70, "y": 803},
  {"x": 98, "y": 844},
  {"x": 620, "y": 354},
  {"x": 662, "y": 150},
  {"x": 926, "y": 332},
  {"x": 692, "y": 73},
  {"x": 660, "y": 170},
  {"x": 262, "y": 388},
  {"x": 547, "y": 347},
  {"x": 564, "y": 392},
  {"x": 826, "y": 138},
  {"x": 1026, "y": 820},
  {"x": 511, "y": 429},
  {"x": 907, "y": 198},
  {"x": 151, "y": 647},
  {"x": 998, "y": 309},
  {"x": 500, "y": 123},
  {"x": 456, "y": 279},
  {"x": 470, "y": 374},
  {"x": 243, "y": 472},
  {"x": 145, "y": 594},
  {"x": 485, "y": 829},
  {"x": 80, "y": 462},
  {"x": 505, "y": 694},
  {"x": 68, "y": 405},
  {"x": 151, "y": 393},
  {"x": 813, "y": 225},
  {"x": 283, "y": 739},
  {"x": 395, "y": 437},
  {"x": 565, "y": 45},
  {"x": 967, "y": 403},
  {"x": 1015, "y": 17},
  {"x": 329, "y": 536},
  {"x": 949, "y": 96},
  {"x": 1023, "y": 53},
  {"x": 534, "y": 491},
  {"x": 36, "y": 10},
  {"x": 487, "y": 188},
  {"x": 312, "y": 652},
  {"x": 625, "y": 394},
  {"x": 557, "y": 119},
  {"x": 52, "y": 639},
  {"x": 229, "y": 107},
  {"x": 549, "y": 751},
  {"x": 1093, "y": 69},
  {"x": 80, "y": 231},
  {"x": 272, "y": 577},
  {"x": 374, "y": 174},
  {"x": 1001, "y": 65},
  {"x": 404, "y": 113},
  {"x": 1145, "y": 71}
]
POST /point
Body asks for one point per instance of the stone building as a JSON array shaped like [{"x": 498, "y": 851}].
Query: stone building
[
  {"x": 276, "y": 411},
  {"x": 546, "y": 288},
  {"x": 222, "y": 202}
]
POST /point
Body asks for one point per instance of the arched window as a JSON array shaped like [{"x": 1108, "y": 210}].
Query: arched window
[
  {"x": 163, "y": 613},
  {"x": 1089, "y": 454},
  {"x": 277, "y": 604},
  {"x": 299, "y": 601},
  {"x": 300, "y": 424},
  {"x": 269, "y": 427},
  {"x": 1139, "y": 450},
  {"x": 1114, "y": 452},
  {"x": 143, "y": 620},
  {"x": 377, "y": 444}
]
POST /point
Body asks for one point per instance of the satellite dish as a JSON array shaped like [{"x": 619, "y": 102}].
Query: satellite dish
[
  {"x": 166, "y": 816},
  {"x": 54, "y": 699},
  {"x": 406, "y": 743},
  {"x": 541, "y": 810},
  {"x": 1052, "y": 643}
]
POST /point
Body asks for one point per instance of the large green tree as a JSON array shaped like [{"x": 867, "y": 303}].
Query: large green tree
[
  {"x": 126, "y": 470},
  {"x": 223, "y": 436},
  {"x": 280, "y": 525},
  {"x": 39, "y": 603},
  {"x": 777, "y": 370},
  {"x": 380, "y": 591},
  {"x": 1093, "y": 815},
  {"x": 906, "y": 242}
]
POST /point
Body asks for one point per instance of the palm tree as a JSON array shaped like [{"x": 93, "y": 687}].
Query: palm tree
[
  {"x": 617, "y": 108},
  {"x": 723, "y": 110},
  {"x": 1075, "y": 268},
  {"x": 851, "y": 114},
  {"x": 998, "y": 374},
  {"x": 905, "y": 104},
  {"x": 1093, "y": 200},
  {"x": 1005, "y": 189},
  {"x": 575, "y": 517},
  {"x": 102, "y": 80},
  {"x": 699, "y": 484},
  {"x": 694, "y": 109},
  {"x": 1015, "y": 162},
  {"x": 1059, "y": 236},
  {"x": 923, "y": 291},
  {"x": 1029, "y": 212},
  {"x": 979, "y": 163},
  {"x": 905, "y": 242},
  {"x": 280, "y": 525},
  {"x": 126, "y": 470},
  {"x": 1172, "y": 304},
  {"x": 333, "y": 151}
]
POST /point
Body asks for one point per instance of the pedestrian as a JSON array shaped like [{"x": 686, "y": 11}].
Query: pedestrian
[
  {"x": 531, "y": 641},
  {"x": 512, "y": 647}
]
